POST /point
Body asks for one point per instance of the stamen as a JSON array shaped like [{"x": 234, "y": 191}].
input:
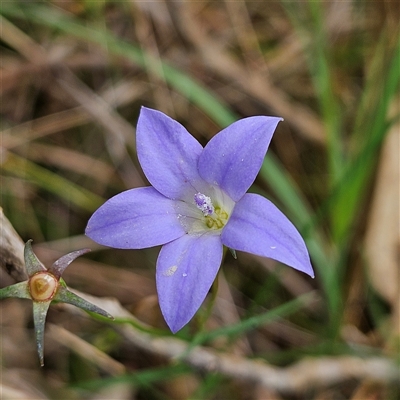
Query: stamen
[
  {"x": 204, "y": 204},
  {"x": 205, "y": 214},
  {"x": 218, "y": 220}
]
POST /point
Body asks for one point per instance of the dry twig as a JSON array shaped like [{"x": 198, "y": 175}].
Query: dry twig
[
  {"x": 304, "y": 375},
  {"x": 11, "y": 250}
]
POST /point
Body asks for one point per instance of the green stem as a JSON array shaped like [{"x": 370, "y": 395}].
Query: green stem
[{"x": 204, "y": 317}]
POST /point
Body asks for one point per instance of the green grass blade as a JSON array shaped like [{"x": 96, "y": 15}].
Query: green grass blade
[
  {"x": 253, "y": 322},
  {"x": 143, "y": 378},
  {"x": 68, "y": 191},
  {"x": 308, "y": 19},
  {"x": 187, "y": 86},
  {"x": 347, "y": 198},
  {"x": 307, "y": 222}
]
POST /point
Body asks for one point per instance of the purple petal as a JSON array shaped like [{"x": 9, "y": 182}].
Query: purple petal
[
  {"x": 135, "y": 219},
  {"x": 233, "y": 157},
  {"x": 168, "y": 154},
  {"x": 257, "y": 226},
  {"x": 186, "y": 269}
]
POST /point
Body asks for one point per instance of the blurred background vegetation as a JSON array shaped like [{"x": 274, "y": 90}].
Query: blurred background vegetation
[{"x": 74, "y": 74}]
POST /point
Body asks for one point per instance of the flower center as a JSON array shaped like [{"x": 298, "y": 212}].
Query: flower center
[
  {"x": 214, "y": 216},
  {"x": 205, "y": 213}
]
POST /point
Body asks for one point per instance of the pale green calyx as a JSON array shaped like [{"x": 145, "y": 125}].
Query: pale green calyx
[{"x": 44, "y": 286}]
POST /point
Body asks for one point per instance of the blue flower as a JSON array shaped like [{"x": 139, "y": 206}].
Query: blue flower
[{"x": 196, "y": 205}]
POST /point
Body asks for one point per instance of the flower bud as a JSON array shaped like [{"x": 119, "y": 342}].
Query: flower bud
[{"x": 43, "y": 286}]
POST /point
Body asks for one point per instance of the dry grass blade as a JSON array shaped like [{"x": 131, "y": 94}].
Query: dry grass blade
[
  {"x": 145, "y": 34},
  {"x": 121, "y": 133},
  {"x": 61, "y": 157},
  {"x": 28, "y": 131},
  {"x": 120, "y": 94},
  {"x": 11, "y": 250},
  {"x": 85, "y": 350},
  {"x": 255, "y": 84},
  {"x": 228, "y": 313},
  {"x": 25, "y": 45},
  {"x": 382, "y": 242},
  {"x": 10, "y": 392}
]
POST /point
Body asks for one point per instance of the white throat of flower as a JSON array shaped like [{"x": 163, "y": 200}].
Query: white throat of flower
[{"x": 207, "y": 213}]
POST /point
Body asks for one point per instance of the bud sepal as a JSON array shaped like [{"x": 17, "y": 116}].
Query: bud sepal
[{"x": 44, "y": 286}]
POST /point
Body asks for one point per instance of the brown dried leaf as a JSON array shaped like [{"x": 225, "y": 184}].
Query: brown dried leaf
[{"x": 382, "y": 241}]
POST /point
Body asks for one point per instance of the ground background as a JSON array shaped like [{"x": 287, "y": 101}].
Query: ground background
[{"x": 74, "y": 75}]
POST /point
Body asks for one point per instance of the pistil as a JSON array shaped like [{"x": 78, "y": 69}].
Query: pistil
[
  {"x": 204, "y": 204},
  {"x": 215, "y": 216}
]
